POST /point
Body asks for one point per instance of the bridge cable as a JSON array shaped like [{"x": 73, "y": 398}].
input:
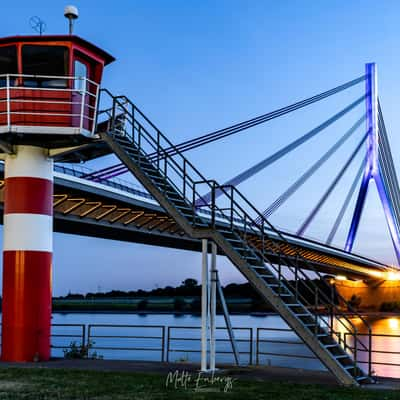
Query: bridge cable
[
  {"x": 346, "y": 203},
  {"x": 387, "y": 156},
  {"x": 303, "y": 178},
  {"x": 325, "y": 196},
  {"x": 282, "y": 152},
  {"x": 387, "y": 172},
  {"x": 387, "y": 167},
  {"x": 233, "y": 129}
]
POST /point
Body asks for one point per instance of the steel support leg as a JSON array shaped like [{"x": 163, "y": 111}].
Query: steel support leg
[
  {"x": 228, "y": 322},
  {"x": 204, "y": 305},
  {"x": 213, "y": 304}
]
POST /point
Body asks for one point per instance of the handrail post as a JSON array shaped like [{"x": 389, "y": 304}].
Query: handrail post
[
  {"x": 113, "y": 116},
  {"x": 96, "y": 107},
  {"x": 88, "y": 336},
  {"x": 184, "y": 178},
  {"x": 83, "y": 334},
  {"x": 140, "y": 144},
  {"x": 133, "y": 121},
  {"x": 83, "y": 99},
  {"x": 213, "y": 205},
  {"x": 257, "y": 346},
  {"x": 168, "y": 343},
  {"x": 158, "y": 150},
  {"x": 316, "y": 310},
  {"x": 194, "y": 202},
  {"x": 232, "y": 194},
  {"x": 296, "y": 279},
  {"x": 8, "y": 102},
  {"x": 162, "y": 343},
  {"x": 280, "y": 275},
  {"x": 369, "y": 352},
  {"x": 332, "y": 309},
  {"x": 251, "y": 347},
  {"x": 355, "y": 347}
]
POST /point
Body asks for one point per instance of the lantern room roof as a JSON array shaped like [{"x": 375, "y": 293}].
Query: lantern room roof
[{"x": 108, "y": 58}]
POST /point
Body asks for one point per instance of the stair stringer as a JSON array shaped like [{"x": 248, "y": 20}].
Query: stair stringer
[{"x": 254, "y": 279}]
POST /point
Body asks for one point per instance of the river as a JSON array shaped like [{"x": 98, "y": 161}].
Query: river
[{"x": 141, "y": 337}]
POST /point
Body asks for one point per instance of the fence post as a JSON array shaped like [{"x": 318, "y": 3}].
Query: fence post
[
  {"x": 162, "y": 343},
  {"x": 251, "y": 347},
  {"x": 168, "y": 339}
]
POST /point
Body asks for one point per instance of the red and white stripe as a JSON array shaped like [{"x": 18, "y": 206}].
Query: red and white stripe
[{"x": 27, "y": 255}]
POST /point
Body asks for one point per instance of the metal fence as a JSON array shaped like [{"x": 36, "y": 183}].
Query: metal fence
[
  {"x": 257, "y": 346},
  {"x": 184, "y": 340}
]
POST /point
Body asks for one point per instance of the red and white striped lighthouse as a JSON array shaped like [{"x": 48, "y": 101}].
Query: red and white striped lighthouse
[
  {"x": 49, "y": 91},
  {"x": 27, "y": 255}
]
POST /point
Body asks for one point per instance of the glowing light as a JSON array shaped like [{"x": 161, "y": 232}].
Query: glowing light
[
  {"x": 393, "y": 323},
  {"x": 341, "y": 278},
  {"x": 393, "y": 276},
  {"x": 376, "y": 274}
]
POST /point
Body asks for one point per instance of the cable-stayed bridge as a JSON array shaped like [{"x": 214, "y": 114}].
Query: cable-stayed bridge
[
  {"x": 377, "y": 166},
  {"x": 182, "y": 208}
]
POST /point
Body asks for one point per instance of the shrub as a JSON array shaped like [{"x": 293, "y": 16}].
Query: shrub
[{"x": 75, "y": 351}]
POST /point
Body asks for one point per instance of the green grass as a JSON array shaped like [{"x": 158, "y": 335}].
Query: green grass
[{"x": 58, "y": 384}]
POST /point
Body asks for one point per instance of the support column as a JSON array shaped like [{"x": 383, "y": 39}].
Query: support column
[
  {"x": 27, "y": 255},
  {"x": 204, "y": 305},
  {"x": 213, "y": 304}
]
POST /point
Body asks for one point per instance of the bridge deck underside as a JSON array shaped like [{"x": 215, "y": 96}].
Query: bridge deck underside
[{"x": 79, "y": 211}]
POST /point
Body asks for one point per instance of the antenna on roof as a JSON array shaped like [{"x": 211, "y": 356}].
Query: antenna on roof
[
  {"x": 37, "y": 24},
  {"x": 71, "y": 13}
]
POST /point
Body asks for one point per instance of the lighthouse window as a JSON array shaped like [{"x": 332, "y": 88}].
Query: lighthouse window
[
  {"x": 8, "y": 63},
  {"x": 47, "y": 61},
  {"x": 80, "y": 72}
]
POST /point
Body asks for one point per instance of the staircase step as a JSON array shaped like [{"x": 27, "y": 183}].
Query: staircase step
[
  {"x": 333, "y": 345},
  {"x": 266, "y": 276},
  {"x": 339, "y": 356},
  {"x": 362, "y": 378}
]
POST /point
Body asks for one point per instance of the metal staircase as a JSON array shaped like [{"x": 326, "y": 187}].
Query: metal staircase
[{"x": 243, "y": 235}]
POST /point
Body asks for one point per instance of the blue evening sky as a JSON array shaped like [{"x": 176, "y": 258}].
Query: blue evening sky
[{"x": 195, "y": 66}]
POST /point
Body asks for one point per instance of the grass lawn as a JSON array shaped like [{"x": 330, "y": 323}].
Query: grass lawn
[{"x": 57, "y": 384}]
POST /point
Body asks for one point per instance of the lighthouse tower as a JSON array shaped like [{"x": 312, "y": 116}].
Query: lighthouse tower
[{"x": 49, "y": 91}]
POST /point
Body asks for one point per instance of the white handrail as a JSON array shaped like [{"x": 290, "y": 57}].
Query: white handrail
[{"x": 82, "y": 106}]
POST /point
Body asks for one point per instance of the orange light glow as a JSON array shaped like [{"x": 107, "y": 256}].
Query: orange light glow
[{"x": 393, "y": 276}]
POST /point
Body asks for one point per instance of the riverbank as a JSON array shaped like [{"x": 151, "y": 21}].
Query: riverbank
[
  {"x": 154, "y": 304},
  {"x": 122, "y": 380},
  {"x": 175, "y": 305}
]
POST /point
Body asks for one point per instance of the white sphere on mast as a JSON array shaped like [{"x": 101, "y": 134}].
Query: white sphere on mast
[{"x": 71, "y": 13}]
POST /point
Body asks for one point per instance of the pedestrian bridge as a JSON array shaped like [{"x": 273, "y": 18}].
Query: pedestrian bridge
[{"x": 120, "y": 211}]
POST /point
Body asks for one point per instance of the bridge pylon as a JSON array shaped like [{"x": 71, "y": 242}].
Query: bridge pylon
[{"x": 376, "y": 167}]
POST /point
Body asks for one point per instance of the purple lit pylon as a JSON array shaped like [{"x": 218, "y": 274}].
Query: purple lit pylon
[{"x": 373, "y": 170}]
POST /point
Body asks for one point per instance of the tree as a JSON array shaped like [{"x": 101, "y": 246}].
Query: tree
[{"x": 189, "y": 283}]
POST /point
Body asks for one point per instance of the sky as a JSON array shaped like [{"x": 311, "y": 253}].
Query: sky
[{"x": 196, "y": 66}]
